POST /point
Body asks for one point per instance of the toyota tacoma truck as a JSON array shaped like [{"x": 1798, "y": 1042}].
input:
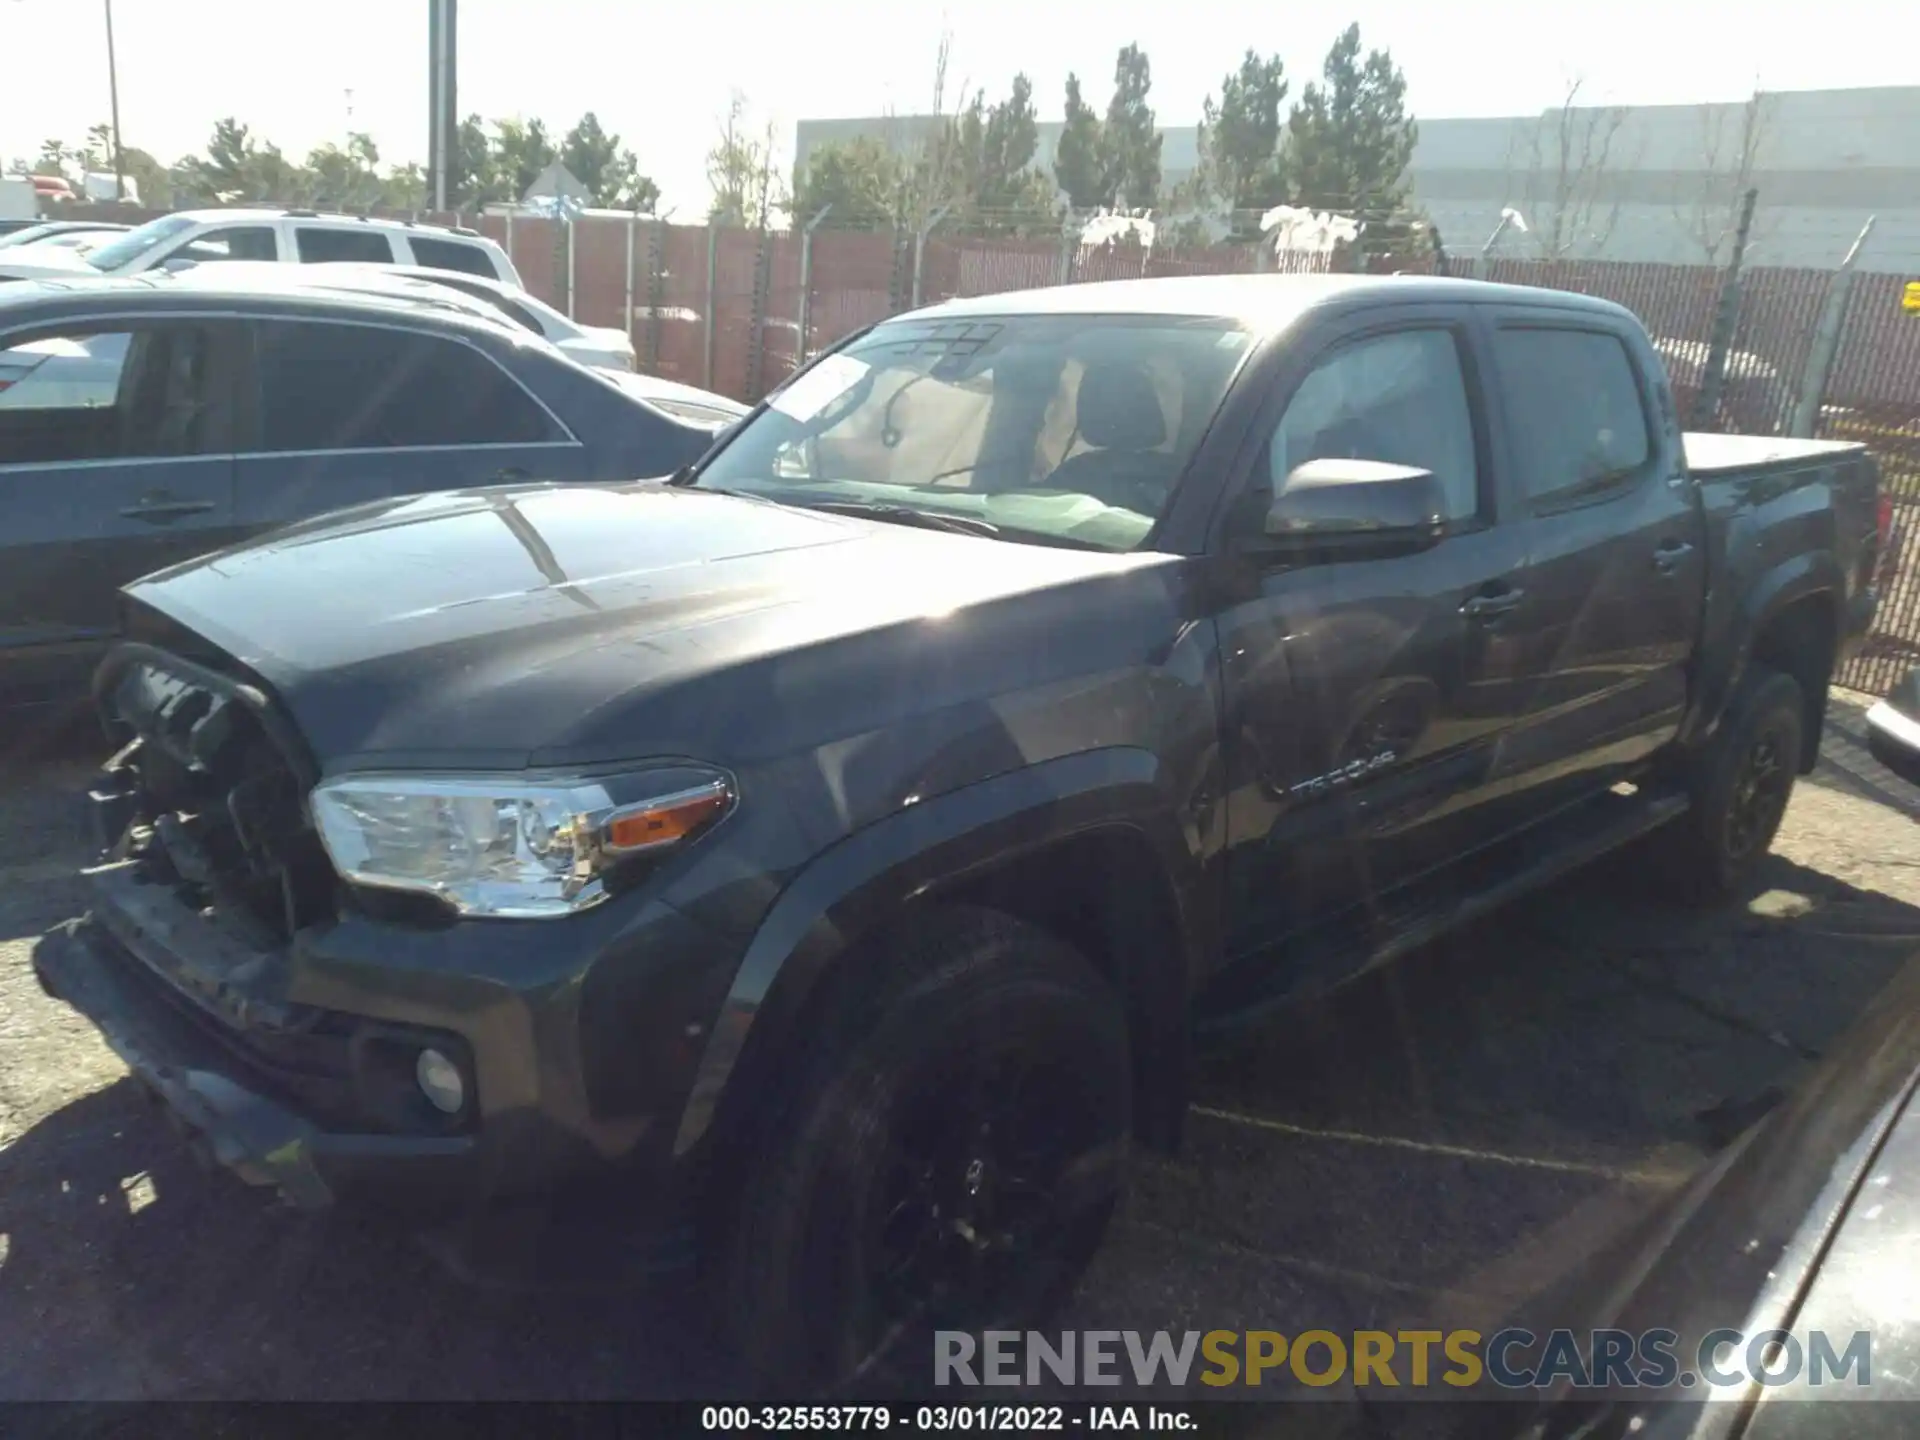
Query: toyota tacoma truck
[{"x": 842, "y": 844}]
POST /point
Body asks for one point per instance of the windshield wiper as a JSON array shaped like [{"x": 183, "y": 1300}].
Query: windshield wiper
[{"x": 905, "y": 515}]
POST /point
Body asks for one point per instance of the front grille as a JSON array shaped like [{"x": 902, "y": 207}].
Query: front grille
[{"x": 216, "y": 803}]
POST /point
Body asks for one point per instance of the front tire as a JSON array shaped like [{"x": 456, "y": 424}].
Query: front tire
[
  {"x": 949, "y": 1161},
  {"x": 1741, "y": 784}
]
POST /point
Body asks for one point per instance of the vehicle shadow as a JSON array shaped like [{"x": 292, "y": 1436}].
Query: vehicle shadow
[{"x": 127, "y": 1272}]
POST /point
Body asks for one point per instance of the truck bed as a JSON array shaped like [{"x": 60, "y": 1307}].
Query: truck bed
[{"x": 1710, "y": 456}]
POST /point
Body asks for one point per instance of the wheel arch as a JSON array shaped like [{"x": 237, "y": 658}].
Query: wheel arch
[{"x": 978, "y": 845}]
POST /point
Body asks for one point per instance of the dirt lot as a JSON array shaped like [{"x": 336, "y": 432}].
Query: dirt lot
[{"x": 1446, "y": 1137}]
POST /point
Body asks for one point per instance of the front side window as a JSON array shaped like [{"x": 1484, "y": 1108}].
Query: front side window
[
  {"x": 366, "y": 387},
  {"x": 1400, "y": 399},
  {"x": 1574, "y": 413},
  {"x": 235, "y": 242},
  {"x": 109, "y": 395},
  {"x": 1065, "y": 429},
  {"x": 332, "y": 244}
]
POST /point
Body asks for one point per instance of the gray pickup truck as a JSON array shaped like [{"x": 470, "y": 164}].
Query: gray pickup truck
[{"x": 841, "y": 844}]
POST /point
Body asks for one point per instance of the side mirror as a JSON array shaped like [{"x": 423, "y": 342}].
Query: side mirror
[
  {"x": 178, "y": 263},
  {"x": 1356, "y": 504}
]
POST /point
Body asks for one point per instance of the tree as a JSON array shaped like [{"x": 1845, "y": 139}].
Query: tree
[
  {"x": 609, "y": 170},
  {"x": 1079, "y": 164},
  {"x": 994, "y": 184},
  {"x": 1240, "y": 138},
  {"x": 521, "y": 151},
  {"x": 1132, "y": 141},
  {"x": 1350, "y": 140},
  {"x": 860, "y": 178},
  {"x": 1568, "y": 155},
  {"x": 740, "y": 171},
  {"x": 475, "y": 179},
  {"x": 344, "y": 179},
  {"x": 1732, "y": 143}
]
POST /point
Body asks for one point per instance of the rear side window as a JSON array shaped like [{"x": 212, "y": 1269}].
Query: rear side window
[
  {"x": 325, "y": 246},
  {"x": 451, "y": 255},
  {"x": 362, "y": 387},
  {"x": 1574, "y": 411}
]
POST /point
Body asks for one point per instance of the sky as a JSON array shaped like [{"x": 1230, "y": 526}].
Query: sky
[{"x": 661, "y": 75}]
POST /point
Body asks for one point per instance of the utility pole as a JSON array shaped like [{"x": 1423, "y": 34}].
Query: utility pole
[
  {"x": 443, "y": 125},
  {"x": 113, "y": 99}
]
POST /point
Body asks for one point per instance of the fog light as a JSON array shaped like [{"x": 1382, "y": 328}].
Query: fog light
[{"x": 440, "y": 1082}]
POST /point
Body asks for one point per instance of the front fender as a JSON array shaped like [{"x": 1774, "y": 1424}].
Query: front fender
[{"x": 865, "y": 878}]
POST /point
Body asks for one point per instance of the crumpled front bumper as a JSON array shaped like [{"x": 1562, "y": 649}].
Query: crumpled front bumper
[{"x": 252, "y": 1134}]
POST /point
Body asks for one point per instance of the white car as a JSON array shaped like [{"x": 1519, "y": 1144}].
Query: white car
[
  {"x": 597, "y": 347},
  {"x": 62, "y": 374},
  {"x": 198, "y": 237},
  {"x": 64, "y": 233}
]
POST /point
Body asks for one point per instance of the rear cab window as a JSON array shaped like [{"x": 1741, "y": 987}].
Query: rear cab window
[
  {"x": 327, "y": 244},
  {"x": 1576, "y": 413},
  {"x": 437, "y": 253}
]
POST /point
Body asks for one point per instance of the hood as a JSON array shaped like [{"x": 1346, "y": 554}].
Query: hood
[
  {"x": 655, "y": 388},
  {"x": 540, "y": 625},
  {"x": 41, "y": 260}
]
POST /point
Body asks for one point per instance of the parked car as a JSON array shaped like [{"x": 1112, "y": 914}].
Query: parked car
[
  {"x": 1803, "y": 1224},
  {"x": 147, "y": 422},
  {"x": 840, "y": 842},
  {"x": 1893, "y": 729},
  {"x": 598, "y": 346},
  {"x": 58, "y": 229},
  {"x": 686, "y": 402},
  {"x": 198, "y": 237}
]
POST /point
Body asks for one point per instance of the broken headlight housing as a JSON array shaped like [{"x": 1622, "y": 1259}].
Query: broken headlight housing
[{"x": 508, "y": 846}]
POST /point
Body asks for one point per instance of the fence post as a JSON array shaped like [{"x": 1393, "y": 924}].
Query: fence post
[
  {"x": 805, "y": 317},
  {"x": 626, "y": 316},
  {"x": 1069, "y": 243},
  {"x": 757, "y": 347},
  {"x": 920, "y": 250},
  {"x": 713, "y": 266},
  {"x": 509, "y": 233},
  {"x": 896, "y": 279},
  {"x": 1826, "y": 341},
  {"x": 1726, "y": 317},
  {"x": 656, "y": 289},
  {"x": 570, "y": 266},
  {"x": 1486, "y": 251}
]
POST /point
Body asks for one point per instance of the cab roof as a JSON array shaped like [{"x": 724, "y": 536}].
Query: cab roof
[{"x": 1258, "y": 302}]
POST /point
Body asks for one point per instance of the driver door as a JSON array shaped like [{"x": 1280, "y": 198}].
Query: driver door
[{"x": 1365, "y": 696}]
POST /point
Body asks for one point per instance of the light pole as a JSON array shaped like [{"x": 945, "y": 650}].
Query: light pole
[{"x": 113, "y": 99}]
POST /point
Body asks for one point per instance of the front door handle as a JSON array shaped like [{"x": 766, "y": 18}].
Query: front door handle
[
  {"x": 1668, "y": 557},
  {"x": 157, "y": 511},
  {"x": 1488, "y": 607}
]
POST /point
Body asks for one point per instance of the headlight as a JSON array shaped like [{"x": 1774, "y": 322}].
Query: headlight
[{"x": 505, "y": 847}]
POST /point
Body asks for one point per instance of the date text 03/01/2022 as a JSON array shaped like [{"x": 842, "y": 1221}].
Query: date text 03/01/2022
[{"x": 923, "y": 1418}]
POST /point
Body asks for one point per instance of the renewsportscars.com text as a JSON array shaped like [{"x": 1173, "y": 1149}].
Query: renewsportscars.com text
[{"x": 1512, "y": 1359}]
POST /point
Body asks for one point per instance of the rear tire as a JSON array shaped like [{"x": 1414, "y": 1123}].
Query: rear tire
[
  {"x": 1741, "y": 784},
  {"x": 949, "y": 1161}
]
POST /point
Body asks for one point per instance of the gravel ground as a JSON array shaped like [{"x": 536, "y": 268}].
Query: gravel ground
[{"x": 1442, "y": 1139}]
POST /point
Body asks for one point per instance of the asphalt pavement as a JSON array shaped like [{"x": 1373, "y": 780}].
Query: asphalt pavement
[{"x": 1427, "y": 1148}]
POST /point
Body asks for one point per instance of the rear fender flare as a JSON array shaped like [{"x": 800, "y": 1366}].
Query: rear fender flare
[
  {"x": 1799, "y": 578},
  {"x": 864, "y": 878}
]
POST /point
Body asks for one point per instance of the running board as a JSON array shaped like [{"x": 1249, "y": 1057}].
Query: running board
[{"x": 1323, "y": 958}]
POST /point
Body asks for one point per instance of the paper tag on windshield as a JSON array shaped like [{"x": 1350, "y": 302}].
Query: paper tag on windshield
[{"x": 819, "y": 387}]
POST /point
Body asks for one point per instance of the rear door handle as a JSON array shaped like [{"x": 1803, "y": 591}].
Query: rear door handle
[
  {"x": 513, "y": 474},
  {"x": 1488, "y": 607},
  {"x": 1668, "y": 557},
  {"x": 158, "y": 512}
]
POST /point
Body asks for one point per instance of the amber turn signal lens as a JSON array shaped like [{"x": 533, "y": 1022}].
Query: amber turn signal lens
[{"x": 662, "y": 822}]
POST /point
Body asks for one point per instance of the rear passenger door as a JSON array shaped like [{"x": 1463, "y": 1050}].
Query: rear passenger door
[
  {"x": 1614, "y": 584},
  {"x": 116, "y": 459},
  {"x": 344, "y": 412}
]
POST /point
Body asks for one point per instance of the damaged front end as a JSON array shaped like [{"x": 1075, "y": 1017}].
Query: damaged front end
[{"x": 209, "y": 878}]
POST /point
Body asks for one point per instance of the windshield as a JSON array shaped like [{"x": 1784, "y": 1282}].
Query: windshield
[
  {"x": 138, "y": 241},
  {"x": 1071, "y": 429}
]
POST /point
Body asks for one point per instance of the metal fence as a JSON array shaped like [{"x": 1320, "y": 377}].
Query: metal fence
[{"x": 725, "y": 308}]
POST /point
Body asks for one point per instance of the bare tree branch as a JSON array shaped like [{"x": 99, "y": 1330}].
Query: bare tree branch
[
  {"x": 1569, "y": 153},
  {"x": 1732, "y": 144}
]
